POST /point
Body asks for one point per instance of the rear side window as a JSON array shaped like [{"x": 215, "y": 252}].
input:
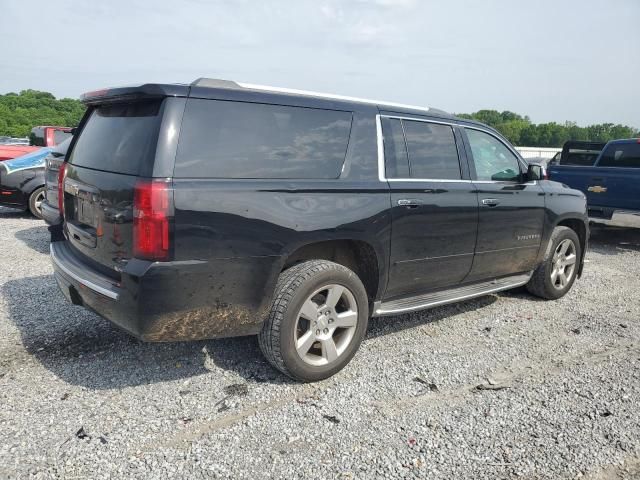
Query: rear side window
[
  {"x": 118, "y": 138},
  {"x": 222, "y": 139},
  {"x": 624, "y": 155},
  {"x": 395, "y": 150},
  {"x": 432, "y": 151}
]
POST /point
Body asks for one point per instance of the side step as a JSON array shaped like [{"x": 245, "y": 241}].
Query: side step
[{"x": 452, "y": 295}]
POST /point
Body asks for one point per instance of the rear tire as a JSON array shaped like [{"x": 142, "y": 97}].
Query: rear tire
[
  {"x": 35, "y": 202},
  {"x": 317, "y": 321},
  {"x": 554, "y": 277}
]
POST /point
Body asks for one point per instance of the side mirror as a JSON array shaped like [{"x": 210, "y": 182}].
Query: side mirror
[{"x": 536, "y": 172}]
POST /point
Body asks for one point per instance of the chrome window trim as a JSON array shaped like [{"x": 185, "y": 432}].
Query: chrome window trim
[
  {"x": 398, "y": 117},
  {"x": 328, "y": 96},
  {"x": 380, "y": 141},
  {"x": 439, "y": 180},
  {"x": 381, "y": 159}
]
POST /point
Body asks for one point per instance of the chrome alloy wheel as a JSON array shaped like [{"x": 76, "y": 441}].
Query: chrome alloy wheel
[
  {"x": 325, "y": 325},
  {"x": 38, "y": 201},
  {"x": 563, "y": 263}
]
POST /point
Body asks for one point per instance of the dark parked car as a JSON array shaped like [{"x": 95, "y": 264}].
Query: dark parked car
[
  {"x": 611, "y": 180},
  {"x": 218, "y": 208},
  {"x": 46, "y": 136},
  {"x": 49, "y": 207},
  {"x": 22, "y": 181}
]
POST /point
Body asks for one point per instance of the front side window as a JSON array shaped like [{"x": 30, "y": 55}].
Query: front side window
[
  {"x": 622, "y": 155},
  {"x": 432, "y": 151},
  {"x": 223, "y": 139},
  {"x": 492, "y": 159}
]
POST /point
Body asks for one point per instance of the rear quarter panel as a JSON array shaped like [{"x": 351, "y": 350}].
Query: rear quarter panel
[{"x": 245, "y": 229}]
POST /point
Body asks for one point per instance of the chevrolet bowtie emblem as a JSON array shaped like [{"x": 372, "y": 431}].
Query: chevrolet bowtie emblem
[{"x": 597, "y": 189}]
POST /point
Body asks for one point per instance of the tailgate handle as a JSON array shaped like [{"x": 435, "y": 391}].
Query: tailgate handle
[{"x": 82, "y": 236}]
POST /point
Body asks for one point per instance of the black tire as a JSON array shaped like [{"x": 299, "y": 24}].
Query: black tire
[
  {"x": 295, "y": 286},
  {"x": 541, "y": 284},
  {"x": 33, "y": 198}
]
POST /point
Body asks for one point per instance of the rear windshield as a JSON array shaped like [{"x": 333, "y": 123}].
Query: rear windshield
[
  {"x": 36, "y": 137},
  {"x": 624, "y": 155},
  {"x": 222, "y": 139},
  {"x": 118, "y": 138},
  {"x": 60, "y": 136},
  {"x": 578, "y": 157}
]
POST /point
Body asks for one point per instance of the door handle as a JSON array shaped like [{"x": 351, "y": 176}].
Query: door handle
[
  {"x": 490, "y": 202},
  {"x": 408, "y": 202}
]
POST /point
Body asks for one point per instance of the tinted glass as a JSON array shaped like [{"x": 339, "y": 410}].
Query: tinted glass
[
  {"x": 59, "y": 136},
  {"x": 432, "y": 150},
  {"x": 492, "y": 159},
  {"x": 395, "y": 150},
  {"x": 36, "y": 137},
  {"x": 221, "y": 139},
  {"x": 581, "y": 158},
  {"x": 118, "y": 138},
  {"x": 625, "y": 155}
]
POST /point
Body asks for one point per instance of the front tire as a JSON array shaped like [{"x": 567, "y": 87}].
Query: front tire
[
  {"x": 35, "y": 202},
  {"x": 554, "y": 277},
  {"x": 317, "y": 321}
]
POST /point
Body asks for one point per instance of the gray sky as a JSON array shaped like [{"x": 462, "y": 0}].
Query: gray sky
[{"x": 553, "y": 60}]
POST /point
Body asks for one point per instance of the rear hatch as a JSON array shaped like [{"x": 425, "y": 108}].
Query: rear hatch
[{"x": 115, "y": 146}]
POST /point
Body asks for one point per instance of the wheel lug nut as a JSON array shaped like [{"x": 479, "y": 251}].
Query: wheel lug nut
[
  {"x": 317, "y": 332},
  {"x": 326, "y": 330}
]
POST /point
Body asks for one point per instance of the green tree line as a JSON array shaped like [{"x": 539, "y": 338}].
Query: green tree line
[
  {"x": 19, "y": 113},
  {"x": 520, "y": 131}
]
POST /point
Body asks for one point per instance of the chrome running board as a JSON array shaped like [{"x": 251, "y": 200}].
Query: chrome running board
[{"x": 452, "y": 295}]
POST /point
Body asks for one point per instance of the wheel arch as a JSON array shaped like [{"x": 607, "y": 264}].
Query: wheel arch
[
  {"x": 358, "y": 255},
  {"x": 581, "y": 228}
]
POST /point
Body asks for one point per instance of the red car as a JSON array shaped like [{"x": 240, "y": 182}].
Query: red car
[{"x": 45, "y": 136}]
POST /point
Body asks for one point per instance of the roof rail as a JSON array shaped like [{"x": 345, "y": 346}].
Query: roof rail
[
  {"x": 217, "y": 83},
  {"x": 214, "y": 83}
]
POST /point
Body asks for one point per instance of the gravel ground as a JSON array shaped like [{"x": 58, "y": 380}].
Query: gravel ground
[{"x": 503, "y": 386}]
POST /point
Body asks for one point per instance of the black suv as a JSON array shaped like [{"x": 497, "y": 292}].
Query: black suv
[{"x": 219, "y": 208}]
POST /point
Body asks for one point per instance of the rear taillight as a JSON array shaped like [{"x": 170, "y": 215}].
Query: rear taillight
[
  {"x": 152, "y": 210},
  {"x": 61, "y": 174}
]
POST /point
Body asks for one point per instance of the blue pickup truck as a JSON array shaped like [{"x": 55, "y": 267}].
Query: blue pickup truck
[{"x": 611, "y": 182}]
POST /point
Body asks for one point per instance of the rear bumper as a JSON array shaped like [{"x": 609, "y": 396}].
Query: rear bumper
[
  {"x": 169, "y": 301},
  {"x": 50, "y": 215}
]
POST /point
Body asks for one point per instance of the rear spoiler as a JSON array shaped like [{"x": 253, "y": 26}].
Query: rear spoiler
[{"x": 137, "y": 92}]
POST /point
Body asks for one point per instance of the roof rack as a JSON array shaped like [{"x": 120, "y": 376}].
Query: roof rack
[{"x": 218, "y": 83}]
